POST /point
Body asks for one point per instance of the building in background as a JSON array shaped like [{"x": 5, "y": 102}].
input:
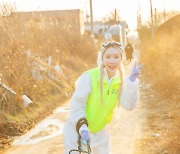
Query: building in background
[
  {"x": 70, "y": 19},
  {"x": 118, "y": 30}
]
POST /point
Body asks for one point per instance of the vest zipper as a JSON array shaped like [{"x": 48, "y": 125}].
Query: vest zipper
[
  {"x": 109, "y": 84},
  {"x": 109, "y": 88}
]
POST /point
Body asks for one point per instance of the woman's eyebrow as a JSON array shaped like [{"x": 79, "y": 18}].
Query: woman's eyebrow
[{"x": 112, "y": 54}]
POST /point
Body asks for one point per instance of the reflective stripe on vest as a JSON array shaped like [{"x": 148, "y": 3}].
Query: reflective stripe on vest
[{"x": 98, "y": 114}]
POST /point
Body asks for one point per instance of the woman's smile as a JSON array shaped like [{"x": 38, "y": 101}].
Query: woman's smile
[
  {"x": 111, "y": 60},
  {"x": 112, "y": 67}
]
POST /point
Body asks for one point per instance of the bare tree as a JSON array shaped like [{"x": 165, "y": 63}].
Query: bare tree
[
  {"x": 161, "y": 17},
  {"x": 6, "y": 9},
  {"x": 112, "y": 18}
]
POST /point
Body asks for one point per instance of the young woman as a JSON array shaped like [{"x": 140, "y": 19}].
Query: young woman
[{"x": 96, "y": 94}]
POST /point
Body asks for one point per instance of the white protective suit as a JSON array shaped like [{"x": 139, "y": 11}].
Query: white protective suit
[{"x": 99, "y": 141}]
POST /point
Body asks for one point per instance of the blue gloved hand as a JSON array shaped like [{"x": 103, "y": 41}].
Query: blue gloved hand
[
  {"x": 85, "y": 136},
  {"x": 135, "y": 72}
]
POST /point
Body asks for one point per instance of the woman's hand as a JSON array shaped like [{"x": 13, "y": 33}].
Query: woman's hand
[
  {"x": 85, "y": 136},
  {"x": 135, "y": 72}
]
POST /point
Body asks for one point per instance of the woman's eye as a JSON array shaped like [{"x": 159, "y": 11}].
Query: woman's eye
[{"x": 108, "y": 57}]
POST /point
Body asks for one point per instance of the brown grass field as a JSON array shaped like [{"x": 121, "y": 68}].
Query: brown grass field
[{"x": 161, "y": 57}]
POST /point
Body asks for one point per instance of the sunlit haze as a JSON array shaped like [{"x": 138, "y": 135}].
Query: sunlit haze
[{"x": 127, "y": 9}]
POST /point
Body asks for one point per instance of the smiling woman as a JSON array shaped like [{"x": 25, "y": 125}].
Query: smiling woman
[
  {"x": 96, "y": 94},
  {"x": 112, "y": 59},
  {"x": 112, "y": 56}
]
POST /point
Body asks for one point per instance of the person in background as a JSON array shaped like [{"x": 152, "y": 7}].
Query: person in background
[
  {"x": 97, "y": 92},
  {"x": 129, "y": 52}
]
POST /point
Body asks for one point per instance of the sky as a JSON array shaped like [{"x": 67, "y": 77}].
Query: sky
[{"x": 127, "y": 9}]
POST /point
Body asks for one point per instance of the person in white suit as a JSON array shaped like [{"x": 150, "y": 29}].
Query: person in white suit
[{"x": 97, "y": 91}]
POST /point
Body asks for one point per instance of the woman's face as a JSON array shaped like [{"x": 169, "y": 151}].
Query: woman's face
[{"x": 111, "y": 60}]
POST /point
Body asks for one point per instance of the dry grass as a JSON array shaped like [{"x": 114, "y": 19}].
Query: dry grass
[
  {"x": 42, "y": 38},
  {"x": 162, "y": 69},
  {"x": 161, "y": 57},
  {"x": 71, "y": 51}
]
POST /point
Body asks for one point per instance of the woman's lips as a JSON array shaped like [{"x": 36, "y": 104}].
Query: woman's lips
[{"x": 112, "y": 67}]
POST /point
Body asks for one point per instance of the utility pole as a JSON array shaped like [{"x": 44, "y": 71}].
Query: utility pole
[
  {"x": 152, "y": 22},
  {"x": 115, "y": 14},
  {"x": 155, "y": 18},
  {"x": 91, "y": 12},
  {"x": 87, "y": 16}
]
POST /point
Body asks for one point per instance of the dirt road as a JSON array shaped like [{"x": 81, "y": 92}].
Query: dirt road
[{"x": 47, "y": 138}]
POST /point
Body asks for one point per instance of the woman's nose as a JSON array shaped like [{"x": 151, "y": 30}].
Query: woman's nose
[{"x": 111, "y": 60}]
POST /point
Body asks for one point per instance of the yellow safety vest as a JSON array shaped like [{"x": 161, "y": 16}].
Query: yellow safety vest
[{"x": 97, "y": 114}]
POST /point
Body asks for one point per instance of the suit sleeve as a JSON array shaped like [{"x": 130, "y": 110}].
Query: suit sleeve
[
  {"x": 79, "y": 98},
  {"x": 130, "y": 94}
]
